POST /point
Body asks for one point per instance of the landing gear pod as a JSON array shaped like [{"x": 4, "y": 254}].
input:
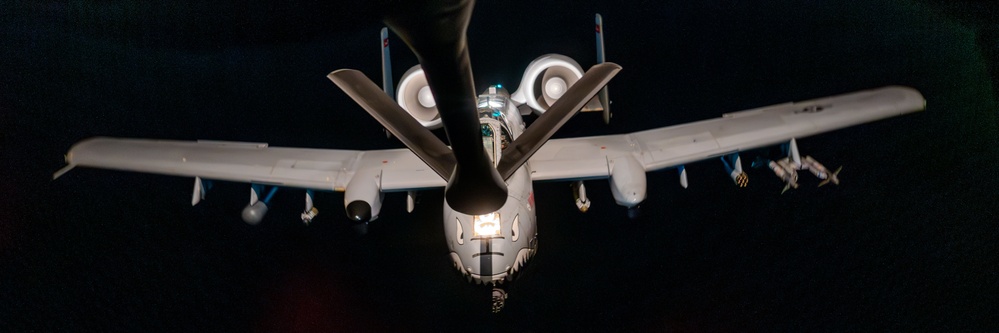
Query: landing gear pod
[
  {"x": 627, "y": 181},
  {"x": 363, "y": 198}
]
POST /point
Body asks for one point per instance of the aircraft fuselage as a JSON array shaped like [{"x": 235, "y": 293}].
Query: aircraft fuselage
[{"x": 491, "y": 248}]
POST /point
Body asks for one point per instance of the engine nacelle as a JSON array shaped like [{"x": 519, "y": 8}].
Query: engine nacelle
[
  {"x": 627, "y": 181},
  {"x": 254, "y": 213},
  {"x": 363, "y": 197},
  {"x": 545, "y": 80},
  {"x": 414, "y": 96}
]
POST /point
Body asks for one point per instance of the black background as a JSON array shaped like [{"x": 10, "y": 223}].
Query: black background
[{"x": 906, "y": 243}]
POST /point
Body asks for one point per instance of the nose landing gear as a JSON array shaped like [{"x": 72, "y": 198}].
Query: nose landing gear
[{"x": 499, "y": 299}]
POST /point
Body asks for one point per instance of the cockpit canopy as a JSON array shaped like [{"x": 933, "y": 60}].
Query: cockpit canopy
[{"x": 495, "y": 132}]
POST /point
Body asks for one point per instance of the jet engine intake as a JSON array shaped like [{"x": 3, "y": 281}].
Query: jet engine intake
[
  {"x": 414, "y": 96},
  {"x": 545, "y": 80}
]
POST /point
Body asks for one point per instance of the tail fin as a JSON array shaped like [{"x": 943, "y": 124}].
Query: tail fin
[
  {"x": 602, "y": 96},
  {"x": 387, "y": 84}
]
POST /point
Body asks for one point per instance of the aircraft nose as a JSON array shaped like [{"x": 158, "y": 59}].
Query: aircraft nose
[{"x": 490, "y": 262}]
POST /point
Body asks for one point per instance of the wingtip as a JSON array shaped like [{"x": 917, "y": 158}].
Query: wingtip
[
  {"x": 63, "y": 171},
  {"x": 615, "y": 67},
  {"x": 336, "y": 73}
]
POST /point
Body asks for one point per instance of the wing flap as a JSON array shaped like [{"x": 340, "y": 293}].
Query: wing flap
[
  {"x": 664, "y": 149},
  {"x": 395, "y": 180},
  {"x": 581, "y": 169},
  {"x": 584, "y": 157},
  {"x": 535, "y": 136},
  {"x": 420, "y": 140}
]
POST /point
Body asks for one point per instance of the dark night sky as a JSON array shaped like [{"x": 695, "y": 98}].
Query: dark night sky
[{"x": 906, "y": 243}]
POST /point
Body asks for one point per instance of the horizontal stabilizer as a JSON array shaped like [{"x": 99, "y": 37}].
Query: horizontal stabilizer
[
  {"x": 418, "y": 139},
  {"x": 63, "y": 171},
  {"x": 521, "y": 149}
]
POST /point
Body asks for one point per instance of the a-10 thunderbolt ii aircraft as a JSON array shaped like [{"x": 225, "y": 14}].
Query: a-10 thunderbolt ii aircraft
[{"x": 493, "y": 158}]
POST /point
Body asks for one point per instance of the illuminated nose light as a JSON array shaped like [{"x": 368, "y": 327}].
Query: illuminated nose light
[{"x": 487, "y": 225}]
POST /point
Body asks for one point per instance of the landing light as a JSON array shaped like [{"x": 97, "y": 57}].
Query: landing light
[{"x": 487, "y": 225}]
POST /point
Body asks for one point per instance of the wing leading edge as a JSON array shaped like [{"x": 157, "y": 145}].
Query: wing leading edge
[
  {"x": 587, "y": 157},
  {"x": 318, "y": 169}
]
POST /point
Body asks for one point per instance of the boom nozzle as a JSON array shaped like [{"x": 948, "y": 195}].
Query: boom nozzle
[{"x": 436, "y": 31}]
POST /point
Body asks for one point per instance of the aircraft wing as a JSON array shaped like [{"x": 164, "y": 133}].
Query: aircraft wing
[
  {"x": 318, "y": 169},
  {"x": 588, "y": 157}
]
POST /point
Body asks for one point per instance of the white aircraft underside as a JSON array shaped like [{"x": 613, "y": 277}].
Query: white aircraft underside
[
  {"x": 492, "y": 247},
  {"x": 622, "y": 158}
]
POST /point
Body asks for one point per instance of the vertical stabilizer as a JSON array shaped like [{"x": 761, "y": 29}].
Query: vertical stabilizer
[
  {"x": 602, "y": 96},
  {"x": 600, "y": 39},
  {"x": 387, "y": 84}
]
